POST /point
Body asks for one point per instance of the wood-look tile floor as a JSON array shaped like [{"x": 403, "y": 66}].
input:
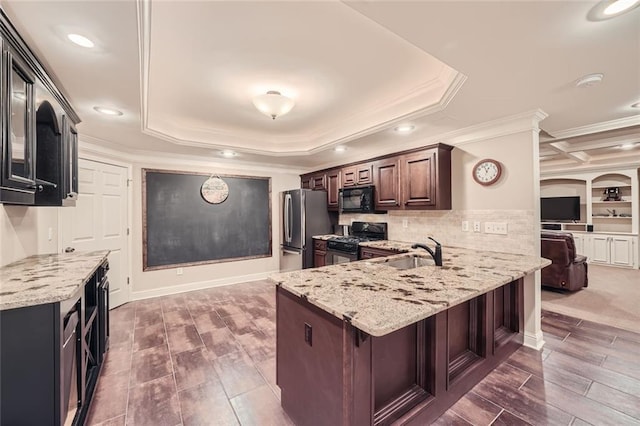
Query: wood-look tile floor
[{"x": 208, "y": 358}]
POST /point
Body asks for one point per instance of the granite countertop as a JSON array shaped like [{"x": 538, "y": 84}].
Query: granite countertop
[
  {"x": 379, "y": 299},
  {"x": 48, "y": 278},
  {"x": 324, "y": 237}
]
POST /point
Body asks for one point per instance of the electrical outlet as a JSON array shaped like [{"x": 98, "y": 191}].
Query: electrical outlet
[
  {"x": 405, "y": 223},
  {"x": 179, "y": 271},
  {"x": 476, "y": 226},
  {"x": 465, "y": 226}
]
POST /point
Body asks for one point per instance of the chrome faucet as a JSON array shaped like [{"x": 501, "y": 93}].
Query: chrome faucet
[{"x": 437, "y": 256}]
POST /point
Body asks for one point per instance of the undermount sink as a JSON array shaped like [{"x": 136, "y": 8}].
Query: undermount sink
[{"x": 411, "y": 262}]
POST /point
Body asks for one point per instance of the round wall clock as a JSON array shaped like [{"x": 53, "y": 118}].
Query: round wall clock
[
  {"x": 487, "y": 172},
  {"x": 214, "y": 190}
]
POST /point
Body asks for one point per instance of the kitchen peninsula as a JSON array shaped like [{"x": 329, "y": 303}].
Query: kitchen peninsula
[
  {"x": 395, "y": 339},
  {"x": 54, "y": 332}
]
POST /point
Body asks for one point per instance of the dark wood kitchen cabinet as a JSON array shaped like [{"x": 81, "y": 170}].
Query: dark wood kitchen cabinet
[
  {"x": 356, "y": 175},
  {"x": 34, "y": 157},
  {"x": 426, "y": 179},
  {"x": 386, "y": 178},
  {"x": 316, "y": 181},
  {"x": 406, "y": 377},
  {"x": 418, "y": 179},
  {"x": 319, "y": 253},
  {"x": 334, "y": 183}
]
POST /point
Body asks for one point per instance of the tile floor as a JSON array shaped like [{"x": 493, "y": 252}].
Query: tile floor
[{"x": 207, "y": 358}]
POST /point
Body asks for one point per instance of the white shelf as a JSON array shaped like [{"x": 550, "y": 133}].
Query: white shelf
[
  {"x": 610, "y": 186},
  {"x": 612, "y": 217},
  {"x": 612, "y": 202}
]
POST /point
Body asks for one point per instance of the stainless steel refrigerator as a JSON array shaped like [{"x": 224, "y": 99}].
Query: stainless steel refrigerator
[{"x": 304, "y": 214}]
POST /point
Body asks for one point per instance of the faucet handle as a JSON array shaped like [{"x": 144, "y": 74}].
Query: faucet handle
[{"x": 437, "y": 243}]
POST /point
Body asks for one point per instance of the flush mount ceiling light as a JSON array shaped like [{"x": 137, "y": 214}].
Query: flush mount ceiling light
[
  {"x": 107, "y": 111},
  {"x": 80, "y": 40},
  {"x": 589, "y": 80},
  {"x": 607, "y": 9},
  {"x": 227, "y": 153},
  {"x": 273, "y": 104},
  {"x": 340, "y": 148},
  {"x": 404, "y": 128},
  {"x": 619, "y": 6}
]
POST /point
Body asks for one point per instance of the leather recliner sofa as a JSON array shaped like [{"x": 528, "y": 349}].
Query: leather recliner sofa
[{"x": 568, "y": 270}]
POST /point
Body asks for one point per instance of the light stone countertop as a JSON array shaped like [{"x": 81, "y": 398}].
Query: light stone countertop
[
  {"x": 379, "y": 299},
  {"x": 49, "y": 278},
  {"x": 324, "y": 237}
]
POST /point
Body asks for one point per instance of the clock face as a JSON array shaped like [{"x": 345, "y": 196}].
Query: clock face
[{"x": 487, "y": 172}]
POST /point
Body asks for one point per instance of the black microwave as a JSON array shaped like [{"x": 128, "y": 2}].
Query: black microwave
[{"x": 357, "y": 199}]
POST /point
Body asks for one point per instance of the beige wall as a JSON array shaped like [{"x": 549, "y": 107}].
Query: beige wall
[
  {"x": 24, "y": 231},
  {"x": 166, "y": 281}
]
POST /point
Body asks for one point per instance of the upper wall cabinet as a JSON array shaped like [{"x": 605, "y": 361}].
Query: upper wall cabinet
[
  {"x": 418, "y": 179},
  {"x": 360, "y": 174},
  {"x": 36, "y": 156}
]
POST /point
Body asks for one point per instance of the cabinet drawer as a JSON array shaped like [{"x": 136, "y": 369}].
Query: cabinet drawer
[{"x": 319, "y": 245}]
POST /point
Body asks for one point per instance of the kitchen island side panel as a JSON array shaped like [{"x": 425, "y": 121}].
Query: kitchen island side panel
[{"x": 309, "y": 346}]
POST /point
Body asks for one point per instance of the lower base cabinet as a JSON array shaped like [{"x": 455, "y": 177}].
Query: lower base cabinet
[
  {"x": 51, "y": 357},
  {"x": 608, "y": 249},
  {"x": 331, "y": 373}
]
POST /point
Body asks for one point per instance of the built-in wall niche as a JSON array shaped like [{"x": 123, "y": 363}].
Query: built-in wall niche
[
  {"x": 611, "y": 203},
  {"x": 567, "y": 188}
]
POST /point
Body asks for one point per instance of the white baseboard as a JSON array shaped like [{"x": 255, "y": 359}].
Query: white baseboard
[
  {"x": 200, "y": 285},
  {"x": 533, "y": 341}
]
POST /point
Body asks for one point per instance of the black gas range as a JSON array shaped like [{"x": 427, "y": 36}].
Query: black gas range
[{"x": 347, "y": 245}]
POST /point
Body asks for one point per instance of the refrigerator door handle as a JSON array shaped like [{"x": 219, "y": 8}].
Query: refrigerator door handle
[{"x": 287, "y": 218}]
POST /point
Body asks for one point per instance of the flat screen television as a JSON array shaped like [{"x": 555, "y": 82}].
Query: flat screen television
[{"x": 559, "y": 209}]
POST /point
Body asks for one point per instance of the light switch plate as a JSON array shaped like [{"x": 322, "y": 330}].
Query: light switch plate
[
  {"x": 179, "y": 271},
  {"x": 465, "y": 226},
  {"x": 405, "y": 223}
]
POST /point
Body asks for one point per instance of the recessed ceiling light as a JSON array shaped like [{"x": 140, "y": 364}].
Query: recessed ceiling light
[
  {"x": 80, "y": 40},
  {"x": 227, "y": 153},
  {"x": 589, "y": 80},
  {"x": 636, "y": 105},
  {"x": 620, "y": 6},
  {"x": 627, "y": 146},
  {"x": 404, "y": 128},
  {"x": 107, "y": 111},
  {"x": 340, "y": 148}
]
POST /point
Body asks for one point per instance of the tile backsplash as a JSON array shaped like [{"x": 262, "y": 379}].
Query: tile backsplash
[{"x": 446, "y": 227}]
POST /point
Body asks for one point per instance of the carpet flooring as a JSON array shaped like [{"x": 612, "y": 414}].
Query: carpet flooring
[{"x": 612, "y": 298}]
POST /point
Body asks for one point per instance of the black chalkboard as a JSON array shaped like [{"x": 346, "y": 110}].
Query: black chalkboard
[{"x": 181, "y": 228}]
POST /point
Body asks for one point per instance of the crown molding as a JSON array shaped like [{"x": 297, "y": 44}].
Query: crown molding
[
  {"x": 517, "y": 123},
  {"x": 95, "y": 146},
  {"x": 620, "y": 123}
]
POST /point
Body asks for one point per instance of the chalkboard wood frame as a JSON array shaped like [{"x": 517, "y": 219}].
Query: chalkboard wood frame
[{"x": 165, "y": 220}]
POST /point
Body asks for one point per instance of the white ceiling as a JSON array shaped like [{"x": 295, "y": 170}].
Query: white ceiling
[{"x": 355, "y": 69}]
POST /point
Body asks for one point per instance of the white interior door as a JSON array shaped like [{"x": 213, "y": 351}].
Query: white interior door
[{"x": 99, "y": 221}]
